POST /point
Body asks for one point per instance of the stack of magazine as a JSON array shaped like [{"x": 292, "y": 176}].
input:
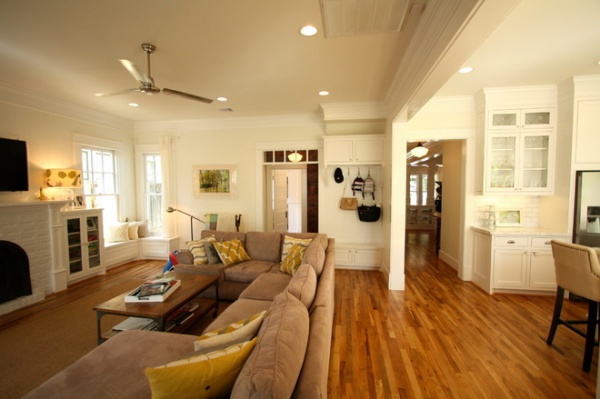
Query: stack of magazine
[
  {"x": 154, "y": 290},
  {"x": 136, "y": 323}
]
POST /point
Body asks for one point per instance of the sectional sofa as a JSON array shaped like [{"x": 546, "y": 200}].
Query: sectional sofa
[{"x": 278, "y": 330}]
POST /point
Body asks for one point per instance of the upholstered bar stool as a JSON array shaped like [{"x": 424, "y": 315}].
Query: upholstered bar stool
[{"x": 577, "y": 271}]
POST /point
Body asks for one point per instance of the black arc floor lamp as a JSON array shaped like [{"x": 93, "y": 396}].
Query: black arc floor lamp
[{"x": 192, "y": 217}]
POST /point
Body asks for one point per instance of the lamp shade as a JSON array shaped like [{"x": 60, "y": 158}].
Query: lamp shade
[
  {"x": 63, "y": 178},
  {"x": 419, "y": 150},
  {"x": 295, "y": 157}
]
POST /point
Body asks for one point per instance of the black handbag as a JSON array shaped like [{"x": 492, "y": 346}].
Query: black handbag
[{"x": 369, "y": 213}]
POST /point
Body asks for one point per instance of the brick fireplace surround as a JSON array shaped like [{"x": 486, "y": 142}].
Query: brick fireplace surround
[{"x": 37, "y": 228}]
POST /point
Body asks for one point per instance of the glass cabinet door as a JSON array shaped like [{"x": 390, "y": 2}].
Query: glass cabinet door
[
  {"x": 74, "y": 245},
  {"x": 522, "y": 119},
  {"x": 93, "y": 241},
  {"x": 534, "y": 164},
  {"x": 502, "y": 162}
]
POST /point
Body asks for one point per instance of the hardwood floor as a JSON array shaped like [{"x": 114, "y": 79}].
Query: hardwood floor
[
  {"x": 446, "y": 338},
  {"x": 440, "y": 338}
]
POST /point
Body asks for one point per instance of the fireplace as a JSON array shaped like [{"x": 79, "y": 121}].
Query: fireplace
[
  {"x": 35, "y": 228},
  {"x": 14, "y": 272}
]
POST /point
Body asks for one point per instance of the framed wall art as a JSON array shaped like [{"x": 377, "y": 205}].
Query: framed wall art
[
  {"x": 215, "y": 181},
  {"x": 508, "y": 217}
]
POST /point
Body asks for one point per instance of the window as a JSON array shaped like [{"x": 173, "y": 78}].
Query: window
[
  {"x": 153, "y": 190},
  {"x": 418, "y": 193},
  {"x": 99, "y": 174}
]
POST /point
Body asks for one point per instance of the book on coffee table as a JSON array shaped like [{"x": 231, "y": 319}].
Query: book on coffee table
[{"x": 153, "y": 291}]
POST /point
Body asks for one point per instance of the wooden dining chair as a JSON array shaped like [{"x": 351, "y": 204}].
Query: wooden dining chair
[{"x": 577, "y": 271}]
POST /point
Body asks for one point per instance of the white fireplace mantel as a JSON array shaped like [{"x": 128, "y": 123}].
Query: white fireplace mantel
[{"x": 36, "y": 226}]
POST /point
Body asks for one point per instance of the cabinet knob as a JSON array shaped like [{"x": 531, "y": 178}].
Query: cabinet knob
[
  {"x": 547, "y": 243},
  {"x": 510, "y": 242}
]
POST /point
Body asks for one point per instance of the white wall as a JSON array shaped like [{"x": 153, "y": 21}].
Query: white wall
[{"x": 49, "y": 138}]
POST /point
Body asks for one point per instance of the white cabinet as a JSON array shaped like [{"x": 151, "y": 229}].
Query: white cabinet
[
  {"x": 519, "y": 162},
  {"x": 158, "y": 247},
  {"x": 514, "y": 263},
  {"x": 358, "y": 256},
  {"x": 354, "y": 150},
  {"x": 84, "y": 247},
  {"x": 520, "y": 119},
  {"x": 516, "y": 136},
  {"x": 586, "y": 134}
]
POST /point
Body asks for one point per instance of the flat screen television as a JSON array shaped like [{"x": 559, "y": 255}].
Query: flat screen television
[{"x": 14, "y": 174}]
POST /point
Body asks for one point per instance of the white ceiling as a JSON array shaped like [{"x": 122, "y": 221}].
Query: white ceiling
[{"x": 251, "y": 52}]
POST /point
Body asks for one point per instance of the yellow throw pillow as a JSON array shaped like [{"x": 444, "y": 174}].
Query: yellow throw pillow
[
  {"x": 198, "y": 251},
  {"x": 293, "y": 259},
  {"x": 209, "y": 375},
  {"x": 289, "y": 242},
  {"x": 230, "y": 334},
  {"x": 231, "y": 252}
]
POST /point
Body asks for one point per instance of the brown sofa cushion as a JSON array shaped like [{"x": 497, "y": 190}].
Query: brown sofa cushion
[
  {"x": 267, "y": 286},
  {"x": 238, "y": 310},
  {"x": 273, "y": 368},
  {"x": 312, "y": 382},
  {"x": 303, "y": 284},
  {"x": 115, "y": 369},
  {"x": 315, "y": 253},
  {"x": 223, "y": 235},
  {"x": 248, "y": 271},
  {"x": 264, "y": 245}
]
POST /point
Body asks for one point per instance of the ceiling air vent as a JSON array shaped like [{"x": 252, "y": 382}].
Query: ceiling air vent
[{"x": 352, "y": 17}]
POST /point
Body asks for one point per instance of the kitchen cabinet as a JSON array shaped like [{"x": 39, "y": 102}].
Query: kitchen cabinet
[
  {"x": 514, "y": 263},
  {"x": 358, "y": 256},
  {"x": 84, "y": 246},
  {"x": 519, "y": 162},
  {"x": 516, "y": 141},
  {"x": 520, "y": 119},
  {"x": 353, "y": 150}
]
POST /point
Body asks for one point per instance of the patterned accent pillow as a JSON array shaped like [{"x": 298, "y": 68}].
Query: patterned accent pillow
[
  {"x": 211, "y": 253},
  {"x": 230, "y": 334},
  {"x": 132, "y": 230},
  {"x": 209, "y": 375},
  {"x": 117, "y": 233},
  {"x": 293, "y": 259},
  {"x": 231, "y": 252},
  {"x": 197, "y": 250},
  {"x": 289, "y": 242}
]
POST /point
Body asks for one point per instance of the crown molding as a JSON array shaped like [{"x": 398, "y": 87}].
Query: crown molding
[
  {"x": 26, "y": 98},
  {"x": 359, "y": 110},
  {"x": 149, "y": 127}
]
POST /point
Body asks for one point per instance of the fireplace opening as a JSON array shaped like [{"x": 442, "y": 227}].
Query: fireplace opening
[{"x": 14, "y": 272}]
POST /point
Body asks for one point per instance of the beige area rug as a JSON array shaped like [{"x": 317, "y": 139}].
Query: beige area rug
[{"x": 33, "y": 351}]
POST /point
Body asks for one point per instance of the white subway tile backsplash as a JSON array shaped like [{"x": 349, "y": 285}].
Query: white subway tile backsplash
[{"x": 529, "y": 206}]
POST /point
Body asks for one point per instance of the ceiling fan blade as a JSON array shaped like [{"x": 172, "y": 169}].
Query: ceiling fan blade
[
  {"x": 135, "y": 72},
  {"x": 187, "y": 95},
  {"x": 114, "y": 93}
]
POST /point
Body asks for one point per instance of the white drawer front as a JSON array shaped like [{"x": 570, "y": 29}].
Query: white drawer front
[
  {"x": 511, "y": 241},
  {"x": 544, "y": 241}
]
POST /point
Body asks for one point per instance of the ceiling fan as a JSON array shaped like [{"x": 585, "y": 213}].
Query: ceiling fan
[{"x": 146, "y": 81}]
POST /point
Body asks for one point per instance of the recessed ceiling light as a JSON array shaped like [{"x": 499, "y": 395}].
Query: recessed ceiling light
[
  {"x": 133, "y": 104},
  {"x": 323, "y": 93},
  {"x": 308, "y": 30},
  {"x": 465, "y": 70},
  {"x": 222, "y": 99}
]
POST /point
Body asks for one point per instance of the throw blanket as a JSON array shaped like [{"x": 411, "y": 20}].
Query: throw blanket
[{"x": 222, "y": 221}]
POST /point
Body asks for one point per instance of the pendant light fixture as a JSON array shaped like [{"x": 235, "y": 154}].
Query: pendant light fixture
[
  {"x": 419, "y": 150},
  {"x": 295, "y": 157}
]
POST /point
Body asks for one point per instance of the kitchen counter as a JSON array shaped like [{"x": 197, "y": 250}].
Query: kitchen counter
[{"x": 529, "y": 231}]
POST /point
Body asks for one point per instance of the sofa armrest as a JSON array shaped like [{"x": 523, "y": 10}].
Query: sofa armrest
[{"x": 185, "y": 256}]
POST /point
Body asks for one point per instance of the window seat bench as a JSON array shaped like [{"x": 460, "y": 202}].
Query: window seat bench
[{"x": 153, "y": 247}]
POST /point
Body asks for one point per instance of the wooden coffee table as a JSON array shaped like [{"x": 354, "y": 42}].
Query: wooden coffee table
[{"x": 192, "y": 285}]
